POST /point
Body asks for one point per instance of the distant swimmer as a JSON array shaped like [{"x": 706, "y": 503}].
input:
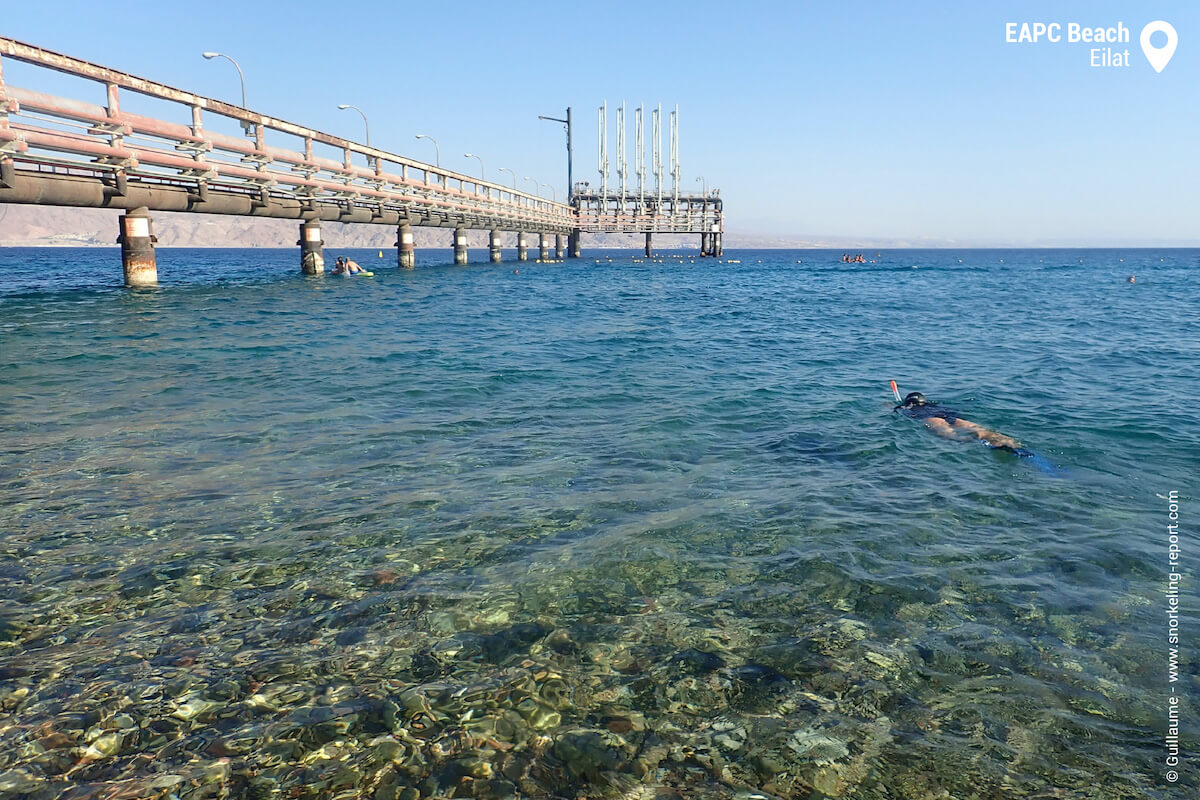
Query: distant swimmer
[
  {"x": 1131, "y": 277},
  {"x": 948, "y": 424}
]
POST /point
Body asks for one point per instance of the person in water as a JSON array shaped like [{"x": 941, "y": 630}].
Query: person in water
[
  {"x": 947, "y": 423},
  {"x": 345, "y": 266}
]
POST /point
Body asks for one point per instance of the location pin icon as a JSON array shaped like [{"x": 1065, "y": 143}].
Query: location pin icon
[{"x": 1159, "y": 57}]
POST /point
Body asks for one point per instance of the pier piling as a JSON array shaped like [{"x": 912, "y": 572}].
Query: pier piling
[
  {"x": 406, "y": 256},
  {"x": 559, "y": 247},
  {"x": 137, "y": 248},
  {"x": 649, "y": 245},
  {"x": 460, "y": 245},
  {"x": 573, "y": 246},
  {"x": 543, "y": 247},
  {"x": 312, "y": 249},
  {"x": 522, "y": 247},
  {"x": 494, "y": 246}
]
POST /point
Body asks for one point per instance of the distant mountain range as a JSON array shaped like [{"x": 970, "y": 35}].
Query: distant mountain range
[{"x": 45, "y": 226}]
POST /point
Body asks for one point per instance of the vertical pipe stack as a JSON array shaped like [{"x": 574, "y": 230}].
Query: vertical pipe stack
[
  {"x": 406, "y": 256},
  {"x": 312, "y": 249},
  {"x": 137, "y": 248}
]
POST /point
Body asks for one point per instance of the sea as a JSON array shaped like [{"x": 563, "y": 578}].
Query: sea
[{"x": 606, "y": 527}]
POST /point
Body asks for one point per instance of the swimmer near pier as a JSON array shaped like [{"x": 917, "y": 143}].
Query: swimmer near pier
[{"x": 87, "y": 151}]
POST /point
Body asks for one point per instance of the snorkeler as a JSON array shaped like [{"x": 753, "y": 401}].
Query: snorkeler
[{"x": 948, "y": 424}]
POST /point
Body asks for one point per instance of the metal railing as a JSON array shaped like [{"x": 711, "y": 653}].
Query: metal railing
[
  {"x": 43, "y": 136},
  {"x": 598, "y": 212}
]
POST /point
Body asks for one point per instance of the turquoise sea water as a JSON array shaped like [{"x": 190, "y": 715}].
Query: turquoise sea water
[{"x": 595, "y": 529}]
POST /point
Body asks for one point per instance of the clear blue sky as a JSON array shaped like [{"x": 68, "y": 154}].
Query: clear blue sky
[{"x": 850, "y": 119}]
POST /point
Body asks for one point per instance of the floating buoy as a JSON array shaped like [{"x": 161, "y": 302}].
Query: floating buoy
[{"x": 381, "y": 254}]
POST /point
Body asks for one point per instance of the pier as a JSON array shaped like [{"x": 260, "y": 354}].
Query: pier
[{"x": 90, "y": 153}]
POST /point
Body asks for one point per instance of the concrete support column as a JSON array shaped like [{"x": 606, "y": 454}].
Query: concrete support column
[
  {"x": 494, "y": 246},
  {"x": 522, "y": 247},
  {"x": 718, "y": 246},
  {"x": 406, "y": 254},
  {"x": 703, "y": 244},
  {"x": 559, "y": 246},
  {"x": 543, "y": 247},
  {"x": 312, "y": 249},
  {"x": 460, "y": 245},
  {"x": 649, "y": 244},
  {"x": 573, "y": 247},
  {"x": 137, "y": 248}
]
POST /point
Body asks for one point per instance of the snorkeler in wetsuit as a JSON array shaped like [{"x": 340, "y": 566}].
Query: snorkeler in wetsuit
[{"x": 948, "y": 424}]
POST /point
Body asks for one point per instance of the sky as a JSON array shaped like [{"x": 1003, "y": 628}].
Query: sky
[{"x": 913, "y": 122}]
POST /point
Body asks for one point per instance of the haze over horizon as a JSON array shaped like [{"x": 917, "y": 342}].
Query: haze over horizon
[{"x": 865, "y": 122}]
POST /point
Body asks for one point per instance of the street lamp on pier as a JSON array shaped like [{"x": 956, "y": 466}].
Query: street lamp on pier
[
  {"x": 366, "y": 124},
  {"x": 247, "y": 126},
  {"x": 510, "y": 172},
  {"x": 437, "y": 153},
  {"x": 567, "y": 125},
  {"x": 482, "y": 174},
  {"x": 211, "y": 55}
]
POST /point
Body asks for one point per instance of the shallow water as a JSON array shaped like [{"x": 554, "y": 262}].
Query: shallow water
[{"x": 593, "y": 529}]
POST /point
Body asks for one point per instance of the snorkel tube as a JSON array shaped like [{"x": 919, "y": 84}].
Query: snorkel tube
[{"x": 896, "y": 393}]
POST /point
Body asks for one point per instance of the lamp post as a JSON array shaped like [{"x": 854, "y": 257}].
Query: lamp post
[
  {"x": 437, "y": 153},
  {"x": 211, "y": 55},
  {"x": 535, "y": 183},
  {"x": 553, "y": 194},
  {"x": 247, "y": 126},
  {"x": 482, "y": 174},
  {"x": 703, "y": 185},
  {"x": 566, "y": 124},
  {"x": 510, "y": 172},
  {"x": 366, "y": 124}
]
